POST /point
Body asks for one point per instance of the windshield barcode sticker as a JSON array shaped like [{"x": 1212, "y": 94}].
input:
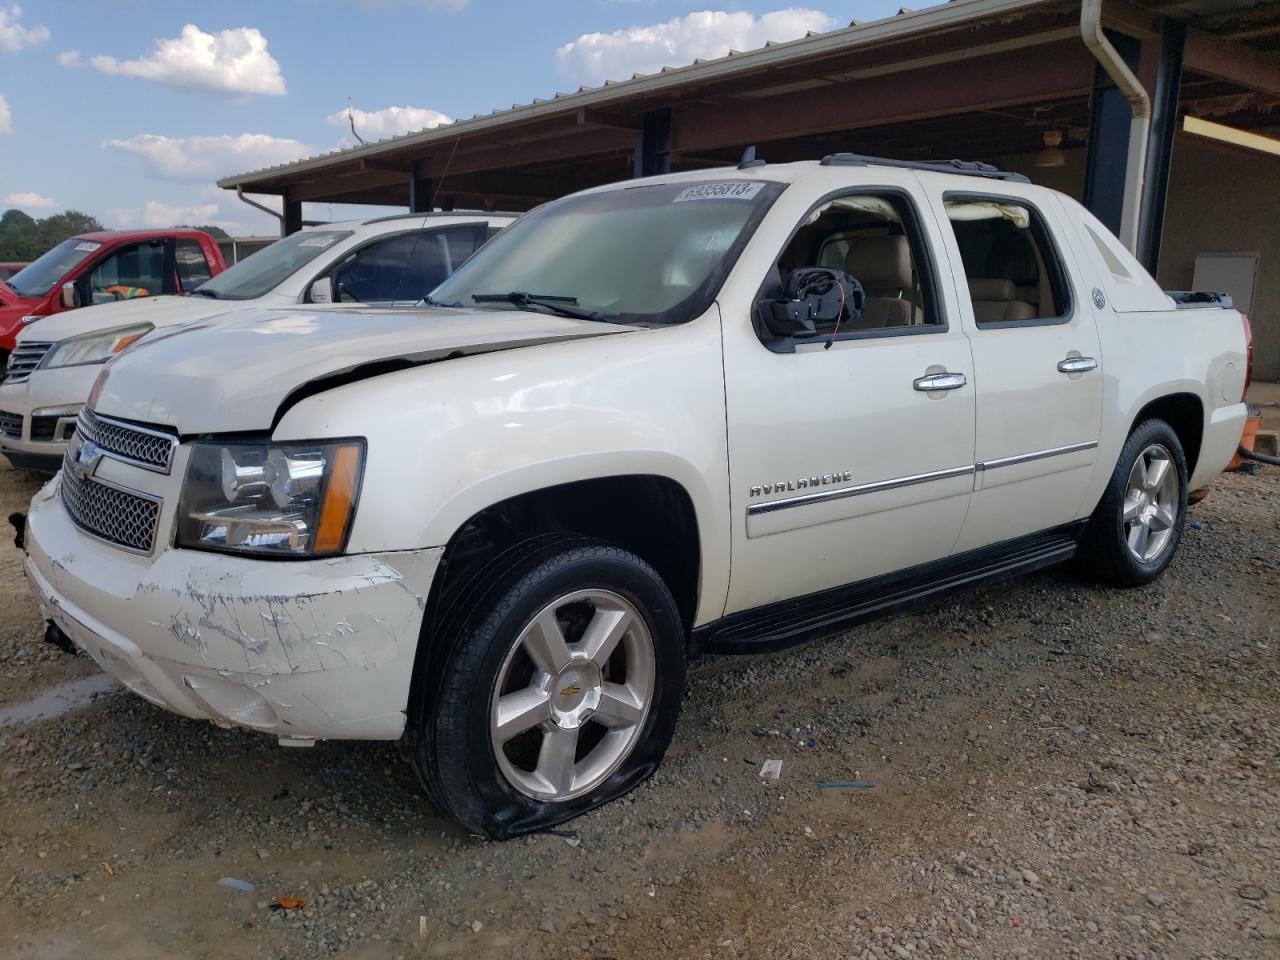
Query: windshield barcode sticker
[
  {"x": 317, "y": 241},
  {"x": 87, "y": 246},
  {"x": 728, "y": 190}
]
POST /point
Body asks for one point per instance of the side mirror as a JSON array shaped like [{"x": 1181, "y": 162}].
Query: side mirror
[
  {"x": 813, "y": 296},
  {"x": 321, "y": 291},
  {"x": 67, "y": 297}
]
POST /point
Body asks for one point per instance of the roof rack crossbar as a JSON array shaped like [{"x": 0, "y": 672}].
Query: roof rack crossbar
[{"x": 966, "y": 168}]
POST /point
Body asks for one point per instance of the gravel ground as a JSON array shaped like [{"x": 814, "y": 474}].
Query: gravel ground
[{"x": 1057, "y": 770}]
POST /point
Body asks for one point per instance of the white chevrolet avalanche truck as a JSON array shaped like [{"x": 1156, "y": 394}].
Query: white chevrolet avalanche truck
[
  {"x": 716, "y": 411},
  {"x": 383, "y": 261}
]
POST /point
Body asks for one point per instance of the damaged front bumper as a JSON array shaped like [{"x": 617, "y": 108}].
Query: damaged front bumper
[{"x": 303, "y": 650}]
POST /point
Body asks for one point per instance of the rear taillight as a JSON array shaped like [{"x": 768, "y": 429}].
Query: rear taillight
[{"x": 1248, "y": 356}]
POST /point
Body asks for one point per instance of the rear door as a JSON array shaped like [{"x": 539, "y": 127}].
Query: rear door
[{"x": 1037, "y": 365}]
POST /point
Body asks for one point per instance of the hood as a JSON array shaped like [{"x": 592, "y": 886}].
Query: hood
[
  {"x": 159, "y": 311},
  {"x": 6, "y": 293},
  {"x": 11, "y": 314},
  {"x": 234, "y": 373}
]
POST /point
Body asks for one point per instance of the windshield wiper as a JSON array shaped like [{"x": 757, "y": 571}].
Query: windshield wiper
[
  {"x": 561, "y": 305},
  {"x": 430, "y": 301},
  {"x": 205, "y": 293}
]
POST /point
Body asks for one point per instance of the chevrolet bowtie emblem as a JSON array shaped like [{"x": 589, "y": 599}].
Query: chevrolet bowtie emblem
[
  {"x": 84, "y": 461},
  {"x": 570, "y": 691}
]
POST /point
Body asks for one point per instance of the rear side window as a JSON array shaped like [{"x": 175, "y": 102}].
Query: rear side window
[
  {"x": 192, "y": 265},
  {"x": 1014, "y": 272}
]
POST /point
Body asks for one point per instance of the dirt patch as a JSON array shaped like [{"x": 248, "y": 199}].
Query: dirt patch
[{"x": 1059, "y": 770}]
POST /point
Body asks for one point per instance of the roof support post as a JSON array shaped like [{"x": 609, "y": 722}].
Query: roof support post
[
  {"x": 1116, "y": 202},
  {"x": 290, "y": 216},
  {"x": 653, "y": 144},
  {"x": 421, "y": 193},
  {"x": 1164, "y": 124}
]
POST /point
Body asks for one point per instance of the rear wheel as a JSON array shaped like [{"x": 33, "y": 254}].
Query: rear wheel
[
  {"x": 560, "y": 690},
  {"x": 1135, "y": 530}
]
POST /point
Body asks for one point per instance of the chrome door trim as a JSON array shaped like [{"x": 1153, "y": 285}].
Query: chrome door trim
[
  {"x": 879, "y": 486},
  {"x": 1036, "y": 455},
  {"x": 1077, "y": 365}
]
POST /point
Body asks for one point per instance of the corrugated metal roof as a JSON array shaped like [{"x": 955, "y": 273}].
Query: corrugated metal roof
[{"x": 906, "y": 21}]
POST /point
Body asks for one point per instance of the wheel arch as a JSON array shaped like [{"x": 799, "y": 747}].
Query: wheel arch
[{"x": 1185, "y": 413}]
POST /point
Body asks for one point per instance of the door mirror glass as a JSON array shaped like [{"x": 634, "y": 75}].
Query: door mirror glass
[
  {"x": 68, "y": 296},
  {"x": 814, "y": 301},
  {"x": 321, "y": 291}
]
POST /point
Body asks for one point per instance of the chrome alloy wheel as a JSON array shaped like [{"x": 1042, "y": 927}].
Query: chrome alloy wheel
[
  {"x": 1151, "y": 503},
  {"x": 572, "y": 695}
]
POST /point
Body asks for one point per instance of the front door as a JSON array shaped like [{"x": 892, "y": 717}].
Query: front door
[
  {"x": 1037, "y": 366},
  {"x": 850, "y": 452}
]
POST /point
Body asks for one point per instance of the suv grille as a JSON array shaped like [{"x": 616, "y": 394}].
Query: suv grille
[
  {"x": 109, "y": 513},
  {"x": 11, "y": 424},
  {"x": 146, "y": 448},
  {"x": 26, "y": 357}
]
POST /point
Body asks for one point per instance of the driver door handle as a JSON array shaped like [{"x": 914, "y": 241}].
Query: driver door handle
[
  {"x": 1077, "y": 365},
  {"x": 940, "y": 381}
]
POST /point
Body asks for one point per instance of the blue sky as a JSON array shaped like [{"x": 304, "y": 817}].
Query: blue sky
[{"x": 130, "y": 109}]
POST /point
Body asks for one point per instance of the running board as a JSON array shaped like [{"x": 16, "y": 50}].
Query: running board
[{"x": 788, "y": 622}]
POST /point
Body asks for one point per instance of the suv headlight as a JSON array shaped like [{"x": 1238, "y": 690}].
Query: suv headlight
[
  {"x": 278, "y": 500},
  {"x": 94, "y": 347}
]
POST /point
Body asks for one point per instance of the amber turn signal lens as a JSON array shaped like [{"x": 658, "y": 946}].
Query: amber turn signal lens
[{"x": 339, "y": 499}]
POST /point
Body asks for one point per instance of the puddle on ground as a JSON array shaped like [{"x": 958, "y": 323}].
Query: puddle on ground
[{"x": 58, "y": 700}]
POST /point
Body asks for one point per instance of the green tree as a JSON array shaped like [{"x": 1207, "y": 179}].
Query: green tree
[{"x": 25, "y": 238}]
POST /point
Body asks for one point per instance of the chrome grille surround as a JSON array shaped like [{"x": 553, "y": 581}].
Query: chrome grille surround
[
  {"x": 124, "y": 518},
  {"x": 140, "y": 446},
  {"x": 26, "y": 356}
]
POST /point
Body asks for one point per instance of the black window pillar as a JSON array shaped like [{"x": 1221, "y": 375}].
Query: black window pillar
[
  {"x": 421, "y": 193},
  {"x": 291, "y": 216},
  {"x": 1109, "y": 119},
  {"x": 1164, "y": 125},
  {"x": 653, "y": 143}
]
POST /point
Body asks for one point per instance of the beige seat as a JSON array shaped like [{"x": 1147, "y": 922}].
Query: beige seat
[
  {"x": 883, "y": 266},
  {"x": 996, "y": 301}
]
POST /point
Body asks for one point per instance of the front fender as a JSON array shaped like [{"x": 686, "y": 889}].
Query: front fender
[{"x": 448, "y": 439}]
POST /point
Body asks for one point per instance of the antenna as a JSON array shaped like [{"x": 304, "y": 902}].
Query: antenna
[
  {"x": 351, "y": 119},
  {"x": 749, "y": 159}
]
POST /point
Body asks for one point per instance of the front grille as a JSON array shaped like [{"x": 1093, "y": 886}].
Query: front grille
[
  {"x": 26, "y": 357},
  {"x": 109, "y": 513},
  {"x": 11, "y": 424},
  {"x": 147, "y": 448}
]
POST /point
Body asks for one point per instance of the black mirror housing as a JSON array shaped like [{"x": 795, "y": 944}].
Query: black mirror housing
[{"x": 813, "y": 295}]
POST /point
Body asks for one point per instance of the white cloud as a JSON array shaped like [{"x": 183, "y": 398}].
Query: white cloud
[
  {"x": 31, "y": 201},
  {"x": 595, "y": 57},
  {"x": 6, "y": 118},
  {"x": 376, "y": 124},
  {"x": 70, "y": 58},
  {"x": 158, "y": 215},
  {"x": 14, "y": 36},
  {"x": 204, "y": 158},
  {"x": 229, "y": 62}
]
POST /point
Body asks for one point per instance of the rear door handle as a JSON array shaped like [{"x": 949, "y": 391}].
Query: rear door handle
[
  {"x": 1077, "y": 365},
  {"x": 940, "y": 381}
]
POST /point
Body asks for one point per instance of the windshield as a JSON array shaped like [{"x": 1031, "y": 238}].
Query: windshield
[
  {"x": 265, "y": 270},
  {"x": 38, "y": 278},
  {"x": 653, "y": 253}
]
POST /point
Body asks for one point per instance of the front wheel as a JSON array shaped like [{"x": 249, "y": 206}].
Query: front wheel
[
  {"x": 560, "y": 691},
  {"x": 1134, "y": 532}
]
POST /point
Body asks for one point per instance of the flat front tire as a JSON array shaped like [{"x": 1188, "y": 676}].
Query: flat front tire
[
  {"x": 558, "y": 689},
  {"x": 1135, "y": 530}
]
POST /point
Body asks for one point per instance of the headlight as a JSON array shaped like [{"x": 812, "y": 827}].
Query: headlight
[
  {"x": 94, "y": 347},
  {"x": 279, "y": 500}
]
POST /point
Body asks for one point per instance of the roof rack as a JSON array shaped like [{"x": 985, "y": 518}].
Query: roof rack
[{"x": 966, "y": 168}]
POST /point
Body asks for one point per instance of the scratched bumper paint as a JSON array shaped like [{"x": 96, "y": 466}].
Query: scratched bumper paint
[{"x": 310, "y": 649}]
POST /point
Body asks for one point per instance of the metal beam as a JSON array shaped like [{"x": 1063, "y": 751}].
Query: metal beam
[
  {"x": 290, "y": 216},
  {"x": 1042, "y": 72},
  {"x": 1236, "y": 62},
  {"x": 1164, "y": 124},
  {"x": 653, "y": 144},
  {"x": 1110, "y": 118},
  {"x": 422, "y": 194}
]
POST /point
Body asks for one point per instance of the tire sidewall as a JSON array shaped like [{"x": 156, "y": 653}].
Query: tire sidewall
[
  {"x": 505, "y": 810},
  {"x": 1148, "y": 433}
]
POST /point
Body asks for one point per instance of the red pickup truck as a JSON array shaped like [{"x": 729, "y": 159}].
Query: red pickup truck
[{"x": 103, "y": 267}]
